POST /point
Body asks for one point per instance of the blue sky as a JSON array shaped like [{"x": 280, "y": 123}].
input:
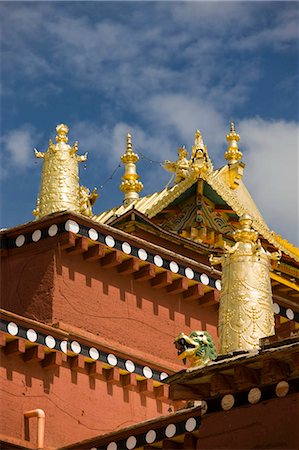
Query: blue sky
[{"x": 159, "y": 70}]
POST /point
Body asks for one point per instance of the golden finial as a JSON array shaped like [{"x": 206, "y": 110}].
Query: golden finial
[
  {"x": 130, "y": 185},
  {"x": 60, "y": 189},
  {"x": 233, "y": 154}
]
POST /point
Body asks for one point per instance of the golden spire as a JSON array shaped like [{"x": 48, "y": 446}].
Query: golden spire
[
  {"x": 130, "y": 185},
  {"x": 246, "y": 305},
  {"x": 60, "y": 189},
  {"x": 233, "y": 154}
]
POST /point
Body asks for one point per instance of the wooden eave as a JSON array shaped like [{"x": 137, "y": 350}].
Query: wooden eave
[{"x": 238, "y": 372}]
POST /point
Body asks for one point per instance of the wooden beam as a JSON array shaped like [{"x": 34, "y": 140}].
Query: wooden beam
[
  {"x": 2, "y": 340},
  {"x": 145, "y": 273},
  {"x": 76, "y": 362},
  {"x": 245, "y": 377},
  {"x": 210, "y": 298},
  {"x": 182, "y": 392},
  {"x": 67, "y": 240},
  {"x": 94, "y": 369},
  {"x": 81, "y": 246},
  {"x": 14, "y": 347},
  {"x": 34, "y": 354},
  {"x": 111, "y": 260},
  {"x": 161, "y": 392},
  {"x": 129, "y": 266},
  {"x": 94, "y": 253},
  {"x": 194, "y": 292},
  {"x": 144, "y": 386},
  {"x": 52, "y": 360},
  {"x": 221, "y": 384},
  {"x": 274, "y": 371},
  {"x": 111, "y": 374},
  {"x": 223, "y": 208},
  {"x": 162, "y": 280},
  {"x": 127, "y": 380},
  {"x": 178, "y": 286},
  {"x": 171, "y": 445}
]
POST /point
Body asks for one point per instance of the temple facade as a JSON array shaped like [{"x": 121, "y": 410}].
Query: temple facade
[{"x": 170, "y": 321}]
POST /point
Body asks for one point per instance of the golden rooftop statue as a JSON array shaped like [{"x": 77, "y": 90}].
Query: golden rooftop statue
[
  {"x": 246, "y": 306},
  {"x": 60, "y": 190},
  {"x": 130, "y": 185},
  {"x": 233, "y": 154},
  {"x": 199, "y": 164}
]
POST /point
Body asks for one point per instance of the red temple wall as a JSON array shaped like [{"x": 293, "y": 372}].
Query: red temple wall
[
  {"x": 123, "y": 310},
  {"x": 76, "y": 406}
]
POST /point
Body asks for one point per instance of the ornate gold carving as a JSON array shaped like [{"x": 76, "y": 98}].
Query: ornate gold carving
[
  {"x": 60, "y": 189},
  {"x": 246, "y": 306},
  {"x": 130, "y": 185}
]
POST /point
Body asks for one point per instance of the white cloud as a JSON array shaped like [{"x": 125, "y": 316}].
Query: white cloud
[
  {"x": 271, "y": 156},
  {"x": 18, "y": 147}
]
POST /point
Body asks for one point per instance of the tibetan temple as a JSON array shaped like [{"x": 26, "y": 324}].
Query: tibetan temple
[{"x": 101, "y": 312}]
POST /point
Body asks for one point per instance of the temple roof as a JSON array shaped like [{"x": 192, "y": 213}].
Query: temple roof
[{"x": 239, "y": 199}]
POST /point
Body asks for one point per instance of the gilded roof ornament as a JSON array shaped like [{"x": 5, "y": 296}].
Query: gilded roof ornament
[
  {"x": 60, "y": 189},
  {"x": 198, "y": 348},
  {"x": 181, "y": 167},
  {"x": 198, "y": 165},
  {"x": 130, "y": 185},
  {"x": 246, "y": 306},
  {"x": 233, "y": 154}
]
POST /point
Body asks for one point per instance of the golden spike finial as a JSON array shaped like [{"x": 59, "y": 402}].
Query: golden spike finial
[
  {"x": 130, "y": 185},
  {"x": 233, "y": 154},
  {"x": 60, "y": 189}
]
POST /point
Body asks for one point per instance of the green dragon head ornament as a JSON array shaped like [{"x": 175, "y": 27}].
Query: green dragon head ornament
[{"x": 198, "y": 348}]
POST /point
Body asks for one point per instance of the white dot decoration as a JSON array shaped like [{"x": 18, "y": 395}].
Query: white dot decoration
[
  {"x": 110, "y": 241},
  {"x": 50, "y": 341},
  {"x": 93, "y": 448},
  {"x": 53, "y": 230},
  {"x": 227, "y": 402},
  {"x": 204, "y": 279},
  {"x": 20, "y": 240},
  {"x": 189, "y": 273},
  {"x": 93, "y": 234},
  {"x": 163, "y": 375},
  {"x": 126, "y": 248},
  {"x": 147, "y": 372},
  {"x": 112, "y": 359},
  {"x": 290, "y": 314},
  {"x": 130, "y": 366},
  {"x": 204, "y": 406},
  {"x": 276, "y": 308},
  {"x": 218, "y": 285},
  {"x": 63, "y": 346},
  {"x": 76, "y": 347},
  {"x": 190, "y": 424},
  {"x": 94, "y": 353},
  {"x": 31, "y": 335},
  {"x": 72, "y": 226},
  {"x": 174, "y": 267},
  {"x": 36, "y": 235},
  {"x": 112, "y": 446},
  {"x": 158, "y": 260},
  {"x": 170, "y": 430},
  {"x": 131, "y": 442},
  {"x": 254, "y": 395},
  {"x": 282, "y": 388},
  {"x": 142, "y": 254},
  {"x": 12, "y": 328},
  {"x": 150, "y": 436}
]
